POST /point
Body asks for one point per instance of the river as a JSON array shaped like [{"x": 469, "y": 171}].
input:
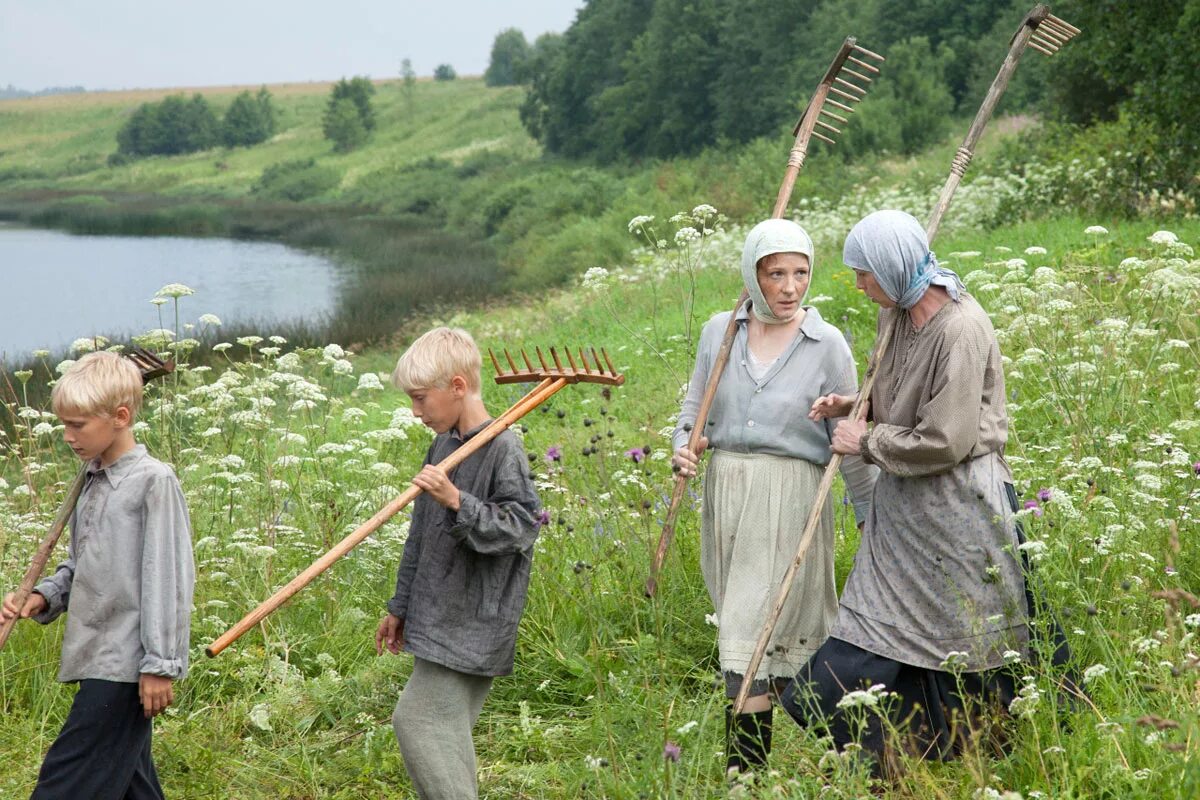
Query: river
[{"x": 58, "y": 287}]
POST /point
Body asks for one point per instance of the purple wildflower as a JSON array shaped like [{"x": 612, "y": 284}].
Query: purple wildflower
[
  {"x": 636, "y": 453},
  {"x": 671, "y": 752},
  {"x": 1196, "y": 467},
  {"x": 553, "y": 453},
  {"x": 1043, "y": 495},
  {"x": 542, "y": 517},
  {"x": 1033, "y": 506}
]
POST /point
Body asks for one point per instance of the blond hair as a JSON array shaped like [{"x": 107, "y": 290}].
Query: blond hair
[
  {"x": 97, "y": 385},
  {"x": 433, "y": 360}
]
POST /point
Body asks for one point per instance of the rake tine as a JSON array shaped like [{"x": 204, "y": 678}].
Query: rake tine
[
  {"x": 823, "y": 137},
  {"x": 611, "y": 368},
  {"x": 836, "y": 104},
  {"x": 827, "y": 125},
  {"x": 495, "y": 363},
  {"x": 858, "y": 75},
  {"x": 584, "y": 361},
  {"x": 1062, "y": 23},
  {"x": 570, "y": 360},
  {"x": 545, "y": 366},
  {"x": 1040, "y": 49},
  {"x": 861, "y": 91},
  {"x": 846, "y": 95},
  {"x": 511, "y": 363},
  {"x": 525, "y": 356},
  {"x": 868, "y": 53},
  {"x": 832, "y": 115},
  {"x": 554, "y": 355},
  {"x": 863, "y": 64}
]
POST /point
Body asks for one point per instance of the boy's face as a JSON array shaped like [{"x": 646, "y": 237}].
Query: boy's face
[
  {"x": 92, "y": 436},
  {"x": 439, "y": 409}
]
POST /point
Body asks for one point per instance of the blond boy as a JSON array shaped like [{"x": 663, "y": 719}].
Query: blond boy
[
  {"x": 461, "y": 585},
  {"x": 126, "y": 585}
]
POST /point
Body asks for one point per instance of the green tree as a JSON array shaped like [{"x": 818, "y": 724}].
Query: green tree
[
  {"x": 172, "y": 126},
  {"x": 444, "y": 72},
  {"x": 409, "y": 77},
  {"x": 509, "y": 61},
  {"x": 343, "y": 125},
  {"x": 250, "y": 119}
]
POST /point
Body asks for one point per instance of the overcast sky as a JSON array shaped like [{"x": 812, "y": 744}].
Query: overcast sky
[{"x": 124, "y": 44}]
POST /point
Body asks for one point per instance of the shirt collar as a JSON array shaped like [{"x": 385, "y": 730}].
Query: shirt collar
[
  {"x": 810, "y": 327},
  {"x": 119, "y": 469},
  {"x": 462, "y": 437}
]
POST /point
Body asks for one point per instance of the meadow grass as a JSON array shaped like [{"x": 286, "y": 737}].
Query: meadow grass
[{"x": 282, "y": 450}]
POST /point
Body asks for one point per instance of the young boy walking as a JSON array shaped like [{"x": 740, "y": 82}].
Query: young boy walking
[
  {"x": 461, "y": 585},
  {"x": 126, "y": 585}
]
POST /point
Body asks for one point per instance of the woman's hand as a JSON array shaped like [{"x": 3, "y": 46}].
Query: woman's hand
[
  {"x": 847, "y": 437},
  {"x": 832, "y": 406},
  {"x": 687, "y": 463}
]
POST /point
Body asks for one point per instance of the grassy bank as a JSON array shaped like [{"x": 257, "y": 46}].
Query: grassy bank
[{"x": 281, "y": 453}]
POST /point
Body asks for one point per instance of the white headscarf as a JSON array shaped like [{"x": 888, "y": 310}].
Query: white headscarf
[
  {"x": 765, "y": 238},
  {"x": 893, "y": 247}
]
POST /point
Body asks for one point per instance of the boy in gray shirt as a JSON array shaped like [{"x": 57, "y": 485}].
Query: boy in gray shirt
[
  {"x": 127, "y": 584},
  {"x": 461, "y": 586}
]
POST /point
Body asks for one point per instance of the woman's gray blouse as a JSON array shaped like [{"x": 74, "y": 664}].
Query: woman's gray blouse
[{"x": 771, "y": 415}]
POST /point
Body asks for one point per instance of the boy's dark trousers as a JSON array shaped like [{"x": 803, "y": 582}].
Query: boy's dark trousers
[{"x": 103, "y": 751}]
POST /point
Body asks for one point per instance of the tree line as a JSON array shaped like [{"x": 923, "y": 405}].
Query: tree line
[
  {"x": 662, "y": 78},
  {"x": 177, "y": 125}
]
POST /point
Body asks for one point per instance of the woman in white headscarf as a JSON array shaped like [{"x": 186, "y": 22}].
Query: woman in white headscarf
[
  {"x": 937, "y": 595},
  {"x": 767, "y": 463}
]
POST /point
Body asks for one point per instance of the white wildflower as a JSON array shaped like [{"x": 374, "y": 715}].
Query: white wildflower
[
  {"x": 595, "y": 278},
  {"x": 210, "y": 319},
  {"x": 1096, "y": 230},
  {"x": 1162, "y": 238},
  {"x": 174, "y": 290},
  {"x": 638, "y": 222},
  {"x": 1094, "y": 671},
  {"x": 369, "y": 381}
]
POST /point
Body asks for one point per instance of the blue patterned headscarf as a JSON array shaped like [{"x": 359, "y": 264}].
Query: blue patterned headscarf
[
  {"x": 767, "y": 237},
  {"x": 892, "y": 246}
]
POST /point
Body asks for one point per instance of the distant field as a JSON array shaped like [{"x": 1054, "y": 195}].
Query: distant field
[{"x": 63, "y": 141}]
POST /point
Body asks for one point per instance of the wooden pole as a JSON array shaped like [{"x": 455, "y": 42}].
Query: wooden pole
[
  {"x": 42, "y": 556},
  {"x": 530, "y": 401}
]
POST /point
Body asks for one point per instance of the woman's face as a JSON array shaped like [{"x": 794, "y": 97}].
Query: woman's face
[
  {"x": 865, "y": 282},
  {"x": 783, "y": 278}
]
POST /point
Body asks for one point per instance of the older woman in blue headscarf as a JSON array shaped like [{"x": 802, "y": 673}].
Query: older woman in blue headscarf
[
  {"x": 937, "y": 594},
  {"x": 767, "y": 463}
]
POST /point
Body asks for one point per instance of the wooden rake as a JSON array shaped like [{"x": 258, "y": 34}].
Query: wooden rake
[
  {"x": 850, "y": 83},
  {"x": 1044, "y": 32},
  {"x": 550, "y": 378},
  {"x": 151, "y": 367}
]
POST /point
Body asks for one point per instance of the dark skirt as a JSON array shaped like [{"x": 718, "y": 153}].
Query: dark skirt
[{"x": 935, "y": 712}]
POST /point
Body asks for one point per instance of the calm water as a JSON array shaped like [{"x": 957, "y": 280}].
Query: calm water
[{"x": 56, "y": 287}]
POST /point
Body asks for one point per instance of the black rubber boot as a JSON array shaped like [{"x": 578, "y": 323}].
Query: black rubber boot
[{"x": 747, "y": 740}]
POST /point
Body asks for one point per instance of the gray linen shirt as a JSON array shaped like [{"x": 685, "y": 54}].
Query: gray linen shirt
[
  {"x": 461, "y": 585},
  {"x": 771, "y": 415},
  {"x": 127, "y": 581}
]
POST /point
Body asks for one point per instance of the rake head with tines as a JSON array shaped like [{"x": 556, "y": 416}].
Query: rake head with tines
[
  {"x": 599, "y": 370},
  {"x": 150, "y": 365},
  {"x": 1049, "y": 32},
  {"x": 845, "y": 84}
]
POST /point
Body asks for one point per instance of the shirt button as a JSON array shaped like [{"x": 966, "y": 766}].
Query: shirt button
[
  {"x": 750, "y": 424},
  {"x": 758, "y": 391}
]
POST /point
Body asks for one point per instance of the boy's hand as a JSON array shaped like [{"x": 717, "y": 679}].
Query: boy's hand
[
  {"x": 436, "y": 483},
  {"x": 156, "y": 692},
  {"x": 391, "y": 634},
  {"x": 34, "y": 604}
]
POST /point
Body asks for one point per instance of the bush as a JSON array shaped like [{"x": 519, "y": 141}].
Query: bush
[
  {"x": 251, "y": 119},
  {"x": 444, "y": 72},
  {"x": 296, "y": 180},
  {"x": 509, "y": 62},
  {"x": 172, "y": 126},
  {"x": 349, "y": 117}
]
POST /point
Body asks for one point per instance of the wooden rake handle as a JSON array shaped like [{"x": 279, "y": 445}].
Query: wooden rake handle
[
  {"x": 538, "y": 395},
  {"x": 42, "y": 556},
  {"x": 804, "y": 131},
  {"x": 858, "y": 412}
]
